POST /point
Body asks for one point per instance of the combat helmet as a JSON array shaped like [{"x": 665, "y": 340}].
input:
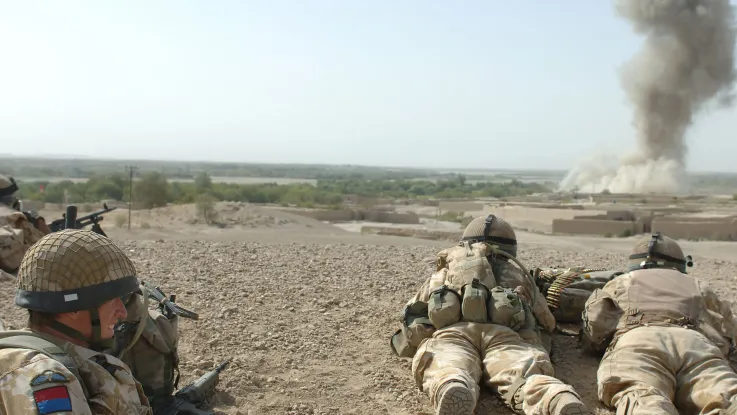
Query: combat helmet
[
  {"x": 659, "y": 251},
  {"x": 494, "y": 230},
  {"x": 8, "y": 187},
  {"x": 74, "y": 270}
]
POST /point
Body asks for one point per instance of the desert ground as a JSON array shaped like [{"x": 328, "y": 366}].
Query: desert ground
[{"x": 306, "y": 308}]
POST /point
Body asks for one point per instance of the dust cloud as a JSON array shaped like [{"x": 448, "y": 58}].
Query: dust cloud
[{"x": 686, "y": 62}]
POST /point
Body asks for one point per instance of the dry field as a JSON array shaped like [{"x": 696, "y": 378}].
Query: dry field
[{"x": 306, "y": 308}]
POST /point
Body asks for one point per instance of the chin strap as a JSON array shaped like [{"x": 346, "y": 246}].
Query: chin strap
[{"x": 96, "y": 342}]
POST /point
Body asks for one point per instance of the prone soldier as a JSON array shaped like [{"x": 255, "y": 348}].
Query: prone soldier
[
  {"x": 478, "y": 316},
  {"x": 666, "y": 336}
]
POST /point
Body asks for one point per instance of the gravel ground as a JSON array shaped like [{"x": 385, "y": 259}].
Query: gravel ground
[{"x": 308, "y": 324}]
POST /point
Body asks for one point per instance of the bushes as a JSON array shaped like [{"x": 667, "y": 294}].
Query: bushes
[{"x": 153, "y": 190}]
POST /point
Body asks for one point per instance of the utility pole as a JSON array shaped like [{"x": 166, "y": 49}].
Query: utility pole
[{"x": 130, "y": 193}]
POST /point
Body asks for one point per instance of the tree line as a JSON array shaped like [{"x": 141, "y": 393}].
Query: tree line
[{"x": 153, "y": 189}]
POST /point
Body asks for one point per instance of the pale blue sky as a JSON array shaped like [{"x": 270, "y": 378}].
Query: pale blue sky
[{"x": 495, "y": 84}]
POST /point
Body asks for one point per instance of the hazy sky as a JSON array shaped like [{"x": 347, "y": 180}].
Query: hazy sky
[{"x": 495, "y": 84}]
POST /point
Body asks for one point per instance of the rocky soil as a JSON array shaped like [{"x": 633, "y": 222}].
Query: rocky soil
[{"x": 308, "y": 324}]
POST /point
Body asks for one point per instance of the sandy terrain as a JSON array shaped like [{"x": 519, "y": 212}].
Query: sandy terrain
[{"x": 306, "y": 308}]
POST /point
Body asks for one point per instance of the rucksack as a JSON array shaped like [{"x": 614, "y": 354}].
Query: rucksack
[{"x": 147, "y": 342}]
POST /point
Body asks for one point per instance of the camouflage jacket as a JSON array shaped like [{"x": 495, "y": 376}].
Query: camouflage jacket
[
  {"x": 17, "y": 234},
  {"x": 33, "y": 383},
  {"x": 672, "y": 298}
]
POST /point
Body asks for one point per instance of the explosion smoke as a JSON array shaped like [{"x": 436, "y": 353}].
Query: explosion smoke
[{"x": 687, "y": 60}]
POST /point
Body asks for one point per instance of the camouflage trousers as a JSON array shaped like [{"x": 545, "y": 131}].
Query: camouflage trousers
[
  {"x": 654, "y": 370},
  {"x": 518, "y": 371}
]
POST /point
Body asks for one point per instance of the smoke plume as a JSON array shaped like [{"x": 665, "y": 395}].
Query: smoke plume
[{"x": 687, "y": 60}]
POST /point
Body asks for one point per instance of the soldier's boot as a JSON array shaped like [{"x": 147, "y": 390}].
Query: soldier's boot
[
  {"x": 454, "y": 398},
  {"x": 567, "y": 404}
]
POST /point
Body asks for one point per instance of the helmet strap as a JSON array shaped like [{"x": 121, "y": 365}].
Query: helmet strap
[
  {"x": 487, "y": 225},
  {"x": 96, "y": 342}
]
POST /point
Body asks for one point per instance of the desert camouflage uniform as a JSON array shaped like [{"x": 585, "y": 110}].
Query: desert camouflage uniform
[
  {"x": 669, "y": 340},
  {"x": 17, "y": 234},
  {"x": 67, "y": 271},
  {"x": 515, "y": 364},
  {"x": 35, "y": 383}
]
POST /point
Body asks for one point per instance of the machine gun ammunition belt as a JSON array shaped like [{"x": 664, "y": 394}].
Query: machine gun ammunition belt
[{"x": 562, "y": 280}]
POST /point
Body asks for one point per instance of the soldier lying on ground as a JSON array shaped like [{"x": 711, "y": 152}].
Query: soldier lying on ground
[
  {"x": 74, "y": 284},
  {"x": 18, "y": 230},
  {"x": 466, "y": 323},
  {"x": 667, "y": 337}
]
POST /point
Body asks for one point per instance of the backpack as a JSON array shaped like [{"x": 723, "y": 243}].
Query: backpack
[
  {"x": 147, "y": 342},
  {"x": 21, "y": 339}
]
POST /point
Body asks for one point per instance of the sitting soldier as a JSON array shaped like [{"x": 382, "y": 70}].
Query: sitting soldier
[
  {"x": 667, "y": 337},
  {"x": 466, "y": 323}
]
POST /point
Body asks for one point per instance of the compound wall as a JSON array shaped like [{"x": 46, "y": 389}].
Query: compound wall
[
  {"x": 450, "y": 206},
  {"x": 595, "y": 227},
  {"x": 716, "y": 230},
  {"x": 348, "y": 215}
]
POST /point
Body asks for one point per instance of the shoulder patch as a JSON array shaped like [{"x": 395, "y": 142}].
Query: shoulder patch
[
  {"x": 49, "y": 377},
  {"x": 52, "y": 400}
]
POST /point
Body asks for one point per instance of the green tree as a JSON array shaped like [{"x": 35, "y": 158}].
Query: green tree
[
  {"x": 205, "y": 204},
  {"x": 152, "y": 190},
  {"x": 203, "y": 182}
]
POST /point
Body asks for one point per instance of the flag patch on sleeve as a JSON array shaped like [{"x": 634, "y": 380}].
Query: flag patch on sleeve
[{"x": 51, "y": 400}]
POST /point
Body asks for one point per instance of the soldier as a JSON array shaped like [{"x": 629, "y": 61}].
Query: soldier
[
  {"x": 18, "y": 230},
  {"x": 466, "y": 323},
  {"x": 667, "y": 337},
  {"x": 74, "y": 284}
]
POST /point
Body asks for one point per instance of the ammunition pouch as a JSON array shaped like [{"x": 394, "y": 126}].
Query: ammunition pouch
[
  {"x": 475, "y": 297},
  {"x": 416, "y": 327},
  {"x": 506, "y": 309},
  {"x": 444, "y": 307}
]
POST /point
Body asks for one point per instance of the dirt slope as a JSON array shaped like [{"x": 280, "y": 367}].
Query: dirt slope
[{"x": 307, "y": 314}]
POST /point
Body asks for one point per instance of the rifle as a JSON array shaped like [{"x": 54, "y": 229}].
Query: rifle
[
  {"x": 79, "y": 223},
  {"x": 167, "y": 306},
  {"x": 193, "y": 396}
]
